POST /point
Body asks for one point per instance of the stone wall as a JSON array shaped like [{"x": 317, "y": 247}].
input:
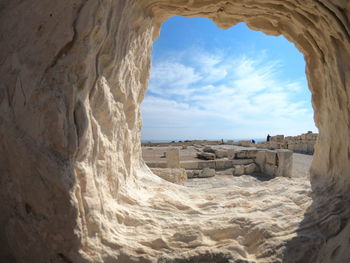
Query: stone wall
[{"x": 304, "y": 143}]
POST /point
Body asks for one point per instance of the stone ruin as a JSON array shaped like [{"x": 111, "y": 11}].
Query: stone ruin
[
  {"x": 304, "y": 143},
  {"x": 224, "y": 161},
  {"x": 73, "y": 186}
]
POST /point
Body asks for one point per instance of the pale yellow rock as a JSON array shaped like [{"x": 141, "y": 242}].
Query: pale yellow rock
[
  {"x": 250, "y": 168},
  {"x": 173, "y": 158},
  {"x": 73, "y": 185},
  {"x": 239, "y": 170},
  {"x": 173, "y": 175}
]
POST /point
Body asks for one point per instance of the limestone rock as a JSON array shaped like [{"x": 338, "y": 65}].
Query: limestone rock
[
  {"x": 246, "y": 154},
  {"x": 174, "y": 175},
  {"x": 239, "y": 170},
  {"x": 208, "y": 149},
  {"x": 206, "y": 156},
  {"x": 173, "y": 158},
  {"x": 221, "y": 153},
  {"x": 285, "y": 163},
  {"x": 250, "y": 168},
  {"x": 231, "y": 153},
  {"x": 73, "y": 185},
  {"x": 207, "y": 172}
]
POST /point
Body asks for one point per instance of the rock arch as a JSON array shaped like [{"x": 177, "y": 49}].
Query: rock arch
[{"x": 73, "y": 74}]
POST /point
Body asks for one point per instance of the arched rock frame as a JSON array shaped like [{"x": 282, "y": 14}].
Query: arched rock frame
[{"x": 73, "y": 74}]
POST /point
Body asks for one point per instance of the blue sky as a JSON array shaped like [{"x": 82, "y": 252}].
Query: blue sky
[{"x": 209, "y": 83}]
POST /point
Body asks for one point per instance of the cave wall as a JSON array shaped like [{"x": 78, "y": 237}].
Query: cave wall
[{"x": 73, "y": 75}]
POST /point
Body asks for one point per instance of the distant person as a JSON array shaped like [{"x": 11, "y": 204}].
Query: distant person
[
  {"x": 253, "y": 141},
  {"x": 268, "y": 138}
]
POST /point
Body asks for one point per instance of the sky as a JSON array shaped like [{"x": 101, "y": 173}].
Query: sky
[{"x": 209, "y": 83}]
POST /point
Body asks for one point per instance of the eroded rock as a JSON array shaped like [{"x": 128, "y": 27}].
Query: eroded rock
[
  {"x": 73, "y": 186},
  {"x": 174, "y": 175}
]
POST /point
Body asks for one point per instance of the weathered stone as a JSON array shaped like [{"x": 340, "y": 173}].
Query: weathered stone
[
  {"x": 206, "y": 156},
  {"x": 207, "y": 172},
  {"x": 174, "y": 175},
  {"x": 239, "y": 170},
  {"x": 277, "y": 138},
  {"x": 220, "y": 153},
  {"x": 189, "y": 173},
  {"x": 230, "y": 153},
  {"x": 173, "y": 158},
  {"x": 208, "y": 149},
  {"x": 223, "y": 164},
  {"x": 285, "y": 163},
  {"x": 155, "y": 164},
  {"x": 261, "y": 159},
  {"x": 270, "y": 158},
  {"x": 73, "y": 75},
  {"x": 250, "y": 168},
  {"x": 207, "y": 164},
  {"x": 229, "y": 171},
  {"x": 270, "y": 169},
  {"x": 189, "y": 164},
  {"x": 193, "y": 174},
  {"x": 246, "y": 154}
]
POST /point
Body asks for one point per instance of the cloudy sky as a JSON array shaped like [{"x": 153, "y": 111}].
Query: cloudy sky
[{"x": 208, "y": 83}]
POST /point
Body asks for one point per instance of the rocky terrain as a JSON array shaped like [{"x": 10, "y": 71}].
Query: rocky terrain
[{"x": 73, "y": 184}]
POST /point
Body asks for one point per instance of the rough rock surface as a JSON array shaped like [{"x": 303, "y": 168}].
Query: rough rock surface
[
  {"x": 207, "y": 172},
  {"x": 206, "y": 156},
  {"x": 73, "y": 186},
  {"x": 173, "y": 175}
]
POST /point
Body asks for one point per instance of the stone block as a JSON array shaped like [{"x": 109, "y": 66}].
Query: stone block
[
  {"x": 189, "y": 173},
  {"x": 223, "y": 164},
  {"x": 206, "y": 156},
  {"x": 193, "y": 174},
  {"x": 304, "y": 147},
  {"x": 277, "y": 138},
  {"x": 260, "y": 160},
  {"x": 156, "y": 164},
  {"x": 250, "y": 168},
  {"x": 270, "y": 169},
  {"x": 229, "y": 171},
  {"x": 241, "y": 161},
  {"x": 270, "y": 157},
  {"x": 189, "y": 164},
  {"x": 207, "y": 172},
  {"x": 230, "y": 153},
  {"x": 239, "y": 170},
  {"x": 208, "y": 149},
  {"x": 220, "y": 153},
  {"x": 285, "y": 163},
  {"x": 274, "y": 145},
  {"x": 174, "y": 175},
  {"x": 291, "y": 146},
  {"x": 173, "y": 158},
  {"x": 310, "y": 147},
  {"x": 207, "y": 164},
  {"x": 246, "y": 154}
]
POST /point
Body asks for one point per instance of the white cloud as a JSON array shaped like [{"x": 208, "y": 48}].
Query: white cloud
[{"x": 196, "y": 94}]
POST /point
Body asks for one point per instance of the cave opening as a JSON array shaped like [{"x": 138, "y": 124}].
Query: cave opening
[
  {"x": 212, "y": 88},
  {"x": 74, "y": 186}
]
